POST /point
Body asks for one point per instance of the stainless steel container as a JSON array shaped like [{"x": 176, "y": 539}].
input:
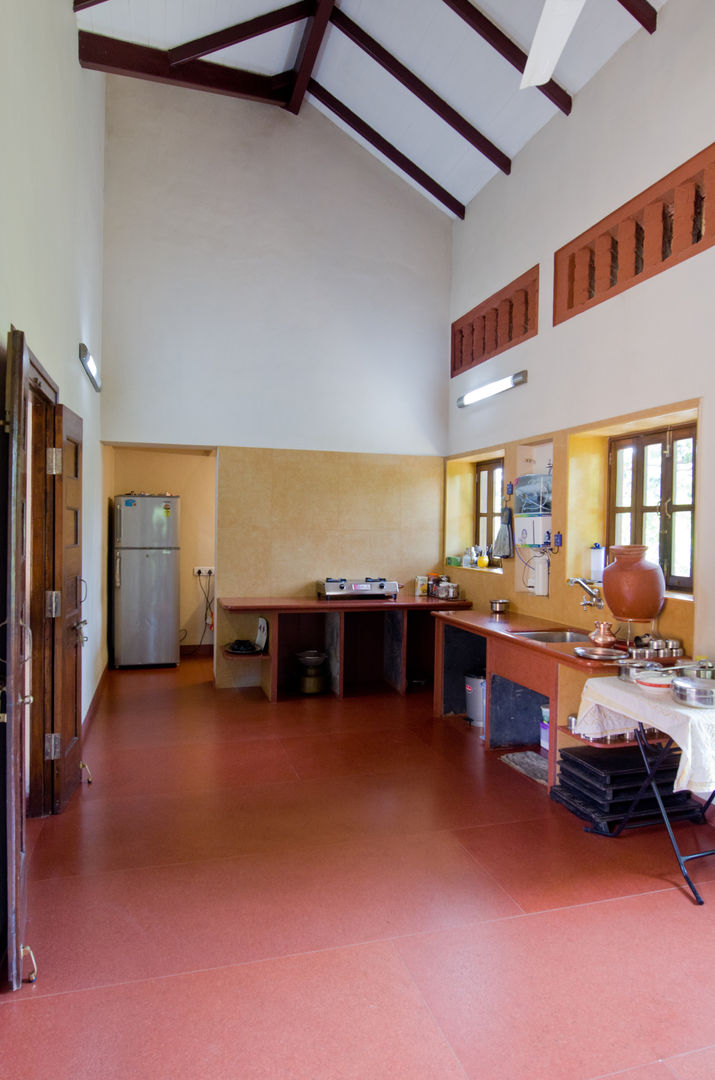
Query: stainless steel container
[
  {"x": 629, "y": 669},
  {"x": 699, "y": 693},
  {"x": 499, "y": 607}
]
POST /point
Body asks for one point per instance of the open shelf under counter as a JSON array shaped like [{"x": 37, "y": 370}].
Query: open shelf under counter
[{"x": 366, "y": 641}]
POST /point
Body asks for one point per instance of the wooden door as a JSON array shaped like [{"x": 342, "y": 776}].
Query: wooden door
[
  {"x": 69, "y": 625},
  {"x": 16, "y": 649}
]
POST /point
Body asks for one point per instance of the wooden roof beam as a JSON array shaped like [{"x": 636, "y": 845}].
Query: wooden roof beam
[
  {"x": 642, "y": 12},
  {"x": 125, "y": 58},
  {"x": 411, "y": 82},
  {"x": 308, "y": 52},
  {"x": 385, "y": 148},
  {"x": 233, "y": 35},
  {"x": 507, "y": 48}
]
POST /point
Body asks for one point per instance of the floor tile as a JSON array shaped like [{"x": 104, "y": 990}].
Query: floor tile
[
  {"x": 603, "y": 986},
  {"x": 170, "y": 767},
  {"x": 94, "y": 835},
  {"x": 656, "y": 1070},
  {"x": 347, "y": 753},
  {"x": 698, "y": 1065},
  {"x": 553, "y": 862},
  {"x": 350, "y": 1014},
  {"x": 231, "y": 911}
]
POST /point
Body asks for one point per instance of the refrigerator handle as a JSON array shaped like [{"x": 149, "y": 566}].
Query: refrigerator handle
[
  {"x": 117, "y": 571},
  {"x": 117, "y": 522}
]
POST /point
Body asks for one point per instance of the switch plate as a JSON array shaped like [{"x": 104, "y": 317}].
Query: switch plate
[{"x": 204, "y": 571}]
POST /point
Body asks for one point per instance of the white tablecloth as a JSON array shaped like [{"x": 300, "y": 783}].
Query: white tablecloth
[{"x": 611, "y": 705}]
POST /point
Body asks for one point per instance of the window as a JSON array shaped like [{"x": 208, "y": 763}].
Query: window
[
  {"x": 652, "y": 498},
  {"x": 489, "y": 477}
]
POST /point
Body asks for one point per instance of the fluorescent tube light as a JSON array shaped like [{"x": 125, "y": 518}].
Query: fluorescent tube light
[
  {"x": 492, "y": 388},
  {"x": 87, "y": 362}
]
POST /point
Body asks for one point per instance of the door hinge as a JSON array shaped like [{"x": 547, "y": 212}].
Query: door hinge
[
  {"x": 53, "y": 604},
  {"x": 53, "y": 747},
  {"x": 54, "y": 461}
]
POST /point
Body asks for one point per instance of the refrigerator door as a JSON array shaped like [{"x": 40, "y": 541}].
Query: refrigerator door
[
  {"x": 146, "y": 606},
  {"x": 146, "y": 521}
]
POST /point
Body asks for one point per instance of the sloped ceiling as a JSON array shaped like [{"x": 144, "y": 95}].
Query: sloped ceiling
[{"x": 431, "y": 87}]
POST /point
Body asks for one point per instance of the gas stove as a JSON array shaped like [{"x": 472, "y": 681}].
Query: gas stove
[{"x": 357, "y": 588}]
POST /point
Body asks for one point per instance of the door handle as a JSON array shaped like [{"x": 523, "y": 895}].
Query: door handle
[
  {"x": 117, "y": 522},
  {"x": 117, "y": 571}
]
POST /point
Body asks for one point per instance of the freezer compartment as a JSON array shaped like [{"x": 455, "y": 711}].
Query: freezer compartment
[
  {"x": 142, "y": 521},
  {"x": 145, "y": 618}
]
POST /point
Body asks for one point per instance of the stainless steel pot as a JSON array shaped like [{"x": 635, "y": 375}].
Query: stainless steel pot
[
  {"x": 629, "y": 669},
  {"x": 499, "y": 607},
  {"x": 696, "y": 692}
]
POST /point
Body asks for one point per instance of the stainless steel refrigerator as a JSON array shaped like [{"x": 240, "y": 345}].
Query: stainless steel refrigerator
[{"x": 145, "y": 576}]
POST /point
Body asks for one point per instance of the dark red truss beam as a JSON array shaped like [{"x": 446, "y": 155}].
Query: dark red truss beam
[
  {"x": 507, "y": 48},
  {"x": 410, "y": 81},
  {"x": 80, "y": 5},
  {"x": 387, "y": 149},
  {"x": 124, "y": 58},
  {"x": 232, "y": 35},
  {"x": 642, "y": 12},
  {"x": 308, "y": 52}
]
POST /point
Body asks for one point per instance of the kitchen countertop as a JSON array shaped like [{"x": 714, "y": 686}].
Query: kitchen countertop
[
  {"x": 506, "y": 627},
  {"x": 307, "y": 603}
]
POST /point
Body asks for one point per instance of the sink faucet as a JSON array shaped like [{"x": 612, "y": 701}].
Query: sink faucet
[{"x": 593, "y": 596}]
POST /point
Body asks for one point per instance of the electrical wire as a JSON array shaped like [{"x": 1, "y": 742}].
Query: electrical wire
[{"x": 208, "y": 612}]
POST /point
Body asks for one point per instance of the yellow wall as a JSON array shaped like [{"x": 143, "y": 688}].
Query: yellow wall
[
  {"x": 579, "y": 513},
  {"x": 286, "y": 518},
  {"x": 192, "y": 475}
]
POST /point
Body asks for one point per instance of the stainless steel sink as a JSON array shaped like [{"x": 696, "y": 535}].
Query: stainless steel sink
[{"x": 551, "y": 635}]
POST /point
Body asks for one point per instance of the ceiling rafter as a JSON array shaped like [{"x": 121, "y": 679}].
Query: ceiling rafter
[
  {"x": 116, "y": 57},
  {"x": 308, "y": 52},
  {"x": 642, "y": 12},
  {"x": 233, "y": 35},
  {"x": 507, "y": 48},
  {"x": 385, "y": 148},
  {"x": 420, "y": 89}
]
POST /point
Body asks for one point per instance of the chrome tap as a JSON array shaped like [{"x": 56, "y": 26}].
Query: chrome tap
[{"x": 593, "y": 596}]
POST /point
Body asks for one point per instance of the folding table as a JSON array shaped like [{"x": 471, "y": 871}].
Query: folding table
[{"x": 611, "y": 706}]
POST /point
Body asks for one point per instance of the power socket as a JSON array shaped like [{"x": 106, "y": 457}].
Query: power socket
[{"x": 204, "y": 571}]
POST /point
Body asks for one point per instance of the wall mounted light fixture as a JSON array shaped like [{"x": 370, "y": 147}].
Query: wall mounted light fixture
[
  {"x": 87, "y": 362},
  {"x": 492, "y": 388}
]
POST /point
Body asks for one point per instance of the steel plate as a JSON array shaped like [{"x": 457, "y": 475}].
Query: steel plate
[{"x": 595, "y": 653}]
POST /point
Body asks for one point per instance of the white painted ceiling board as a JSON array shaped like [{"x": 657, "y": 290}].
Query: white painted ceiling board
[{"x": 428, "y": 38}]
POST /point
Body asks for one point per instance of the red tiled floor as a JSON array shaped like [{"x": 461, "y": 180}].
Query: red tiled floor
[
  {"x": 602, "y": 987},
  {"x": 350, "y": 1014},
  {"x": 699, "y": 1065},
  {"x": 553, "y": 862},
  {"x": 320, "y": 889},
  {"x": 235, "y": 910}
]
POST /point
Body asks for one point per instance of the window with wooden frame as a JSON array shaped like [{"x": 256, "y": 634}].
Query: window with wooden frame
[
  {"x": 488, "y": 502},
  {"x": 651, "y": 498}
]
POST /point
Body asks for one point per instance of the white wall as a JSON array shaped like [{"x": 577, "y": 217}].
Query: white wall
[
  {"x": 643, "y": 115},
  {"x": 268, "y": 283},
  {"x": 51, "y": 191}
]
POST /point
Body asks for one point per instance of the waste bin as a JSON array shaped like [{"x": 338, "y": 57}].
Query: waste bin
[{"x": 475, "y": 689}]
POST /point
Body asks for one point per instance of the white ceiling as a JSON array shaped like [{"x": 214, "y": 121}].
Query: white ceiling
[{"x": 428, "y": 38}]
